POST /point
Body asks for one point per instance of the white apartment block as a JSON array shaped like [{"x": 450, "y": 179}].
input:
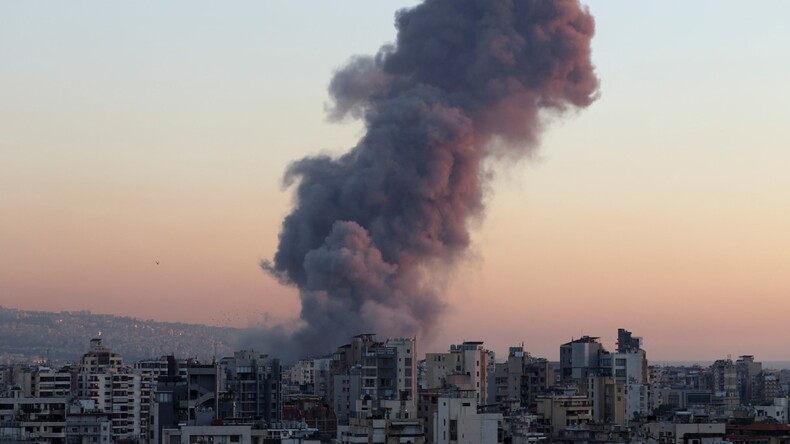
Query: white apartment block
[
  {"x": 406, "y": 352},
  {"x": 126, "y": 396},
  {"x": 457, "y": 421}
]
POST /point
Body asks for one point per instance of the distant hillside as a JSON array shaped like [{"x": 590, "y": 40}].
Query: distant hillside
[{"x": 63, "y": 337}]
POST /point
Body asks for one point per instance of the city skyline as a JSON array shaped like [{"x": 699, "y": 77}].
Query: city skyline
[
  {"x": 144, "y": 154},
  {"x": 140, "y": 339}
]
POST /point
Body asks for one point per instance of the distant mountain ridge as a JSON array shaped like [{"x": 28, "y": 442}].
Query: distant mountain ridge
[{"x": 61, "y": 337}]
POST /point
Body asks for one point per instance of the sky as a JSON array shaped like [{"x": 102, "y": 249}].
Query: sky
[{"x": 142, "y": 147}]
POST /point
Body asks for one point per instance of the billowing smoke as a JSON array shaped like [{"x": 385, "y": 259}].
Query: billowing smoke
[{"x": 374, "y": 231}]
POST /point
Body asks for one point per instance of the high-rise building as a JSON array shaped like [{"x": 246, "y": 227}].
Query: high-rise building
[
  {"x": 126, "y": 397},
  {"x": 406, "y": 365},
  {"x": 254, "y": 381},
  {"x": 113, "y": 389},
  {"x": 609, "y": 400},
  {"x": 722, "y": 379},
  {"x": 99, "y": 359},
  {"x": 189, "y": 393},
  {"x": 579, "y": 358},
  {"x": 609, "y": 376},
  {"x": 747, "y": 375},
  {"x": 369, "y": 377},
  {"x": 465, "y": 366},
  {"x": 520, "y": 378},
  {"x": 321, "y": 378}
]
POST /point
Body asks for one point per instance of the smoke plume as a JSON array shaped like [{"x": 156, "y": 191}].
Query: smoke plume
[{"x": 373, "y": 231}]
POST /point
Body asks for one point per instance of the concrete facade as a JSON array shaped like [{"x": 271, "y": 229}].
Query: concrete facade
[
  {"x": 558, "y": 412},
  {"x": 457, "y": 422},
  {"x": 464, "y": 366}
]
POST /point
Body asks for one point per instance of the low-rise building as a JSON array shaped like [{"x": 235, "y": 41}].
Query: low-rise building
[
  {"x": 239, "y": 434},
  {"x": 25, "y": 418},
  {"x": 89, "y": 428},
  {"x": 680, "y": 432},
  {"x": 557, "y": 412},
  {"x": 381, "y": 431},
  {"x": 457, "y": 421}
]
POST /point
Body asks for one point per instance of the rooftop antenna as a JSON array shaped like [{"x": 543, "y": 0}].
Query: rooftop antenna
[{"x": 216, "y": 390}]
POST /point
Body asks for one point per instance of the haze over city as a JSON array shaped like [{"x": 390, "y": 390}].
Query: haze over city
[{"x": 143, "y": 155}]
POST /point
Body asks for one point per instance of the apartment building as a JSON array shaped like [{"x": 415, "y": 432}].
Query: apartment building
[
  {"x": 24, "y": 418},
  {"x": 520, "y": 378},
  {"x": 374, "y": 376},
  {"x": 557, "y": 412},
  {"x": 464, "y": 366},
  {"x": 457, "y": 421},
  {"x": 254, "y": 381}
]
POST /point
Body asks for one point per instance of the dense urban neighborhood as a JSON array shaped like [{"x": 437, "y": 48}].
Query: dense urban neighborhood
[{"x": 386, "y": 390}]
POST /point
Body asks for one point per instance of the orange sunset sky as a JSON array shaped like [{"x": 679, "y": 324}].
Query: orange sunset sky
[{"x": 132, "y": 133}]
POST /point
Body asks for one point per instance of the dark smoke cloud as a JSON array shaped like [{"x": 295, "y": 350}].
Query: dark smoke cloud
[{"x": 373, "y": 230}]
